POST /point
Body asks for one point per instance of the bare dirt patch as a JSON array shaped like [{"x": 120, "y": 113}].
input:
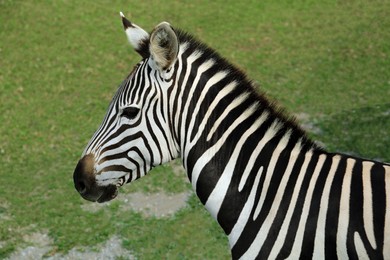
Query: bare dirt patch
[
  {"x": 158, "y": 204},
  {"x": 42, "y": 245}
]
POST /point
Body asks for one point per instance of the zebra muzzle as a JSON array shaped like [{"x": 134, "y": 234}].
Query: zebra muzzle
[{"x": 84, "y": 179}]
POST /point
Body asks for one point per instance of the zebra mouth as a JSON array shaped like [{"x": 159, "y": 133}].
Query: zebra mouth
[{"x": 110, "y": 192}]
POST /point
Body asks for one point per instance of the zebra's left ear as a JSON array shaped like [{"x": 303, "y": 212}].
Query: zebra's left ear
[
  {"x": 137, "y": 37},
  {"x": 164, "y": 45}
]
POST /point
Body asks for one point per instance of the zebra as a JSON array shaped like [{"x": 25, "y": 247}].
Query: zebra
[{"x": 274, "y": 192}]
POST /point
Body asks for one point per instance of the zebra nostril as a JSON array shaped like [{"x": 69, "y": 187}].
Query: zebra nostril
[{"x": 81, "y": 188}]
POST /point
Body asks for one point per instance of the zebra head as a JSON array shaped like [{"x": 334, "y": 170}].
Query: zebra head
[{"x": 136, "y": 133}]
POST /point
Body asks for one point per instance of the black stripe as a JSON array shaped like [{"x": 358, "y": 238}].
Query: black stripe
[
  {"x": 205, "y": 185},
  {"x": 356, "y": 222},
  {"x": 233, "y": 204},
  {"x": 119, "y": 168},
  {"x": 279, "y": 217},
  {"x": 204, "y": 106},
  {"x": 379, "y": 203},
  {"x": 312, "y": 220},
  {"x": 332, "y": 216},
  {"x": 194, "y": 97},
  {"x": 297, "y": 213},
  {"x": 251, "y": 229}
]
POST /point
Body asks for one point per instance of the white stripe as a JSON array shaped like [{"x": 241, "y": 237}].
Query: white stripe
[
  {"x": 110, "y": 175},
  {"x": 246, "y": 211},
  {"x": 305, "y": 210},
  {"x": 183, "y": 47},
  {"x": 257, "y": 243},
  {"x": 127, "y": 177},
  {"x": 367, "y": 203},
  {"x": 109, "y": 178},
  {"x": 275, "y": 127},
  {"x": 221, "y": 94},
  {"x": 214, "y": 79},
  {"x": 144, "y": 80},
  {"x": 210, "y": 153},
  {"x": 217, "y": 196},
  {"x": 236, "y": 102},
  {"x": 172, "y": 144},
  {"x": 193, "y": 57},
  {"x": 362, "y": 255},
  {"x": 319, "y": 241},
  {"x": 270, "y": 172},
  {"x": 344, "y": 213},
  {"x": 123, "y": 146}
]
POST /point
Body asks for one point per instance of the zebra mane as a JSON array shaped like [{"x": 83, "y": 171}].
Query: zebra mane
[{"x": 276, "y": 110}]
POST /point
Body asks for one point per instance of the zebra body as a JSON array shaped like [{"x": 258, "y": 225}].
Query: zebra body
[{"x": 274, "y": 192}]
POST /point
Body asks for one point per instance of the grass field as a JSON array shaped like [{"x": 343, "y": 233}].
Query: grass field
[{"x": 61, "y": 62}]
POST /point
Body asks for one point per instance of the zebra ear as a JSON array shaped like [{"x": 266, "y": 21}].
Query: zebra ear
[
  {"x": 164, "y": 45},
  {"x": 137, "y": 37}
]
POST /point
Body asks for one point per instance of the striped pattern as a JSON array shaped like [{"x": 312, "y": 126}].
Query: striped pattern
[{"x": 273, "y": 191}]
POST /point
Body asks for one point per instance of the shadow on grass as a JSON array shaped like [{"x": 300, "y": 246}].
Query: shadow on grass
[{"x": 362, "y": 132}]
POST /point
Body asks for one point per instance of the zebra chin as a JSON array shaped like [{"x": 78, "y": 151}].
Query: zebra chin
[{"x": 84, "y": 179}]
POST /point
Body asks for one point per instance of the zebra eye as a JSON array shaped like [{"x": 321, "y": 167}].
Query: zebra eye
[{"x": 130, "y": 112}]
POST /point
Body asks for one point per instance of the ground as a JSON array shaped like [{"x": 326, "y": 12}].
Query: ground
[{"x": 158, "y": 205}]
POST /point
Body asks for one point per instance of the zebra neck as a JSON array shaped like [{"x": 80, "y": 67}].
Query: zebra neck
[
  {"x": 227, "y": 133},
  {"x": 228, "y": 163}
]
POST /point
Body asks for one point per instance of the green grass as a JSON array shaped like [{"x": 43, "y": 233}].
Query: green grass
[
  {"x": 61, "y": 62},
  {"x": 361, "y": 132}
]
